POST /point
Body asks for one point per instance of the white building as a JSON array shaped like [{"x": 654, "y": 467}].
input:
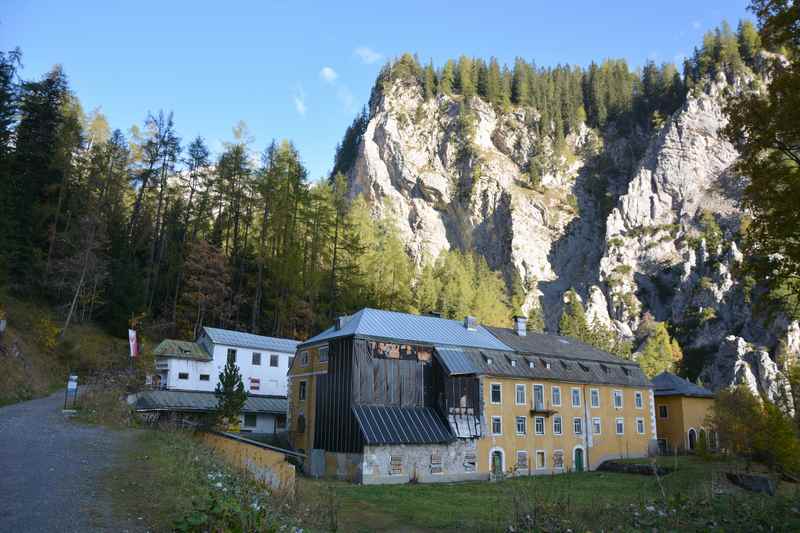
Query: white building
[{"x": 195, "y": 366}]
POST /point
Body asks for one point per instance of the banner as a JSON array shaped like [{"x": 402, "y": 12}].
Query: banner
[{"x": 133, "y": 342}]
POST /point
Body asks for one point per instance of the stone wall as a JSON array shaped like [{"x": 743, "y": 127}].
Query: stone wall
[{"x": 420, "y": 463}]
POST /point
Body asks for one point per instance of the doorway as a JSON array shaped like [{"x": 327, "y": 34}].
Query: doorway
[
  {"x": 692, "y": 439},
  {"x": 578, "y": 460}
]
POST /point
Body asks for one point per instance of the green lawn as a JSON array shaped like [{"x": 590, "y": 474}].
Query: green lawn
[{"x": 586, "y": 501}]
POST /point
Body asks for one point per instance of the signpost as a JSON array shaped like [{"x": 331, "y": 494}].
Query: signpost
[{"x": 71, "y": 394}]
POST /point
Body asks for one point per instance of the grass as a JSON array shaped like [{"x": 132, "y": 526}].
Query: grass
[{"x": 695, "y": 496}]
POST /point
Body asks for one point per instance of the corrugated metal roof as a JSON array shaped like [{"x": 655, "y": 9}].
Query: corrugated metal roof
[
  {"x": 181, "y": 349},
  {"x": 248, "y": 340},
  {"x": 175, "y": 400},
  {"x": 401, "y": 425},
  {"x": 411, "y": 328},
  {"x": 668, "y": 384},
  {"x": 454, "y": 360}
]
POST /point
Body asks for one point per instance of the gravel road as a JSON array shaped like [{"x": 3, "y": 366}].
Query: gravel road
[{"x": 51, "y": 470}]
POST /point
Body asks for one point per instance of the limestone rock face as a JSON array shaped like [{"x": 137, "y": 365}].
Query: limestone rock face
[{"x": 448, "y": 185}]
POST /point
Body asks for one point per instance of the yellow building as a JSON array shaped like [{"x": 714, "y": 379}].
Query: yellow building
[
  {"x": 682, "y": 409},
  {"x": 384, "y": 397}
]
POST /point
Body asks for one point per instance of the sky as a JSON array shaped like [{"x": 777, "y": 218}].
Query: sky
[{"x": 301, "y": 70}]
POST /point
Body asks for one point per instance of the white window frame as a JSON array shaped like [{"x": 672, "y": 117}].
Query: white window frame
[
  {"x": 553, "y": 389},
  {"x": 617, "y": 393},
  {"x": 597, "y": 424},
  {"x": 491, "y": 393},
  {"x": 594, "y": 394},
  {"x": 666, "y": 411},
  {"x": 640, "y": 420},
  {"x": 534, "y": 387},
  {"x": 304, "y": 358},
  {"x": 536, "y": 420},
  {"x": 619, "y": 420},
  {"x": 517, "y": 388},
  {"x": 323, "y": 354},
  {"x": 524, "y": 425},
  {"x": 244, "y": 420},
  {"x": 577, "y": 421},
  {"x": 572, "y": 391},
  {"x": 560, "y": 423},
  {"x": 499, "y": 419},
  {"x": 524, "y": 465},
  {"x": 638, "y": 399},
  {"x": 536, "y": 459}
]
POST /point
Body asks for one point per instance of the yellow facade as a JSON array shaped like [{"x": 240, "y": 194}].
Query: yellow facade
[
  {"x": 683, "y": 413},
  {"x": 637, "y": 426},
  {"x": 304, "y": 407},
  {"x": 267, "y": 466}
]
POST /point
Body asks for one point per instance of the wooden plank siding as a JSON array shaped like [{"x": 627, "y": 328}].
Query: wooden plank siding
[{"x": 385, "y": 381}]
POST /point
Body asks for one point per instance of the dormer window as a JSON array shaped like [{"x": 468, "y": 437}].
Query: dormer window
[
  {"x": 531, "y": 364},
  {"x": 513, "y": 362}
]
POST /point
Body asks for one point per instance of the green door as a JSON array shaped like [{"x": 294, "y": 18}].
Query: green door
[{"x": 578, "y": 460}]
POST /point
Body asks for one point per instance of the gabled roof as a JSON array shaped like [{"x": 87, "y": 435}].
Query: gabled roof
[
  {"x": 554, "y": 345},
  {"x": 381, "y": 424},
  {"x": 668, "y": 384},
  {"x": 249, "y": 340},
  {"x": 181, "y": 350},
  {"x": 182, "y": 401},
  {"x": 404, "y": 327}
]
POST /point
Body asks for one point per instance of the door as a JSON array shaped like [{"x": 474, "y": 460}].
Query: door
[
  {"x": 497, "y": 464},
  {"x": 578, "y": 459},
  {"x": 692, "y": 439}
]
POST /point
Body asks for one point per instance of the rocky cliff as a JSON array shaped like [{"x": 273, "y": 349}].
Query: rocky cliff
[{"x": 654, "y": 233}]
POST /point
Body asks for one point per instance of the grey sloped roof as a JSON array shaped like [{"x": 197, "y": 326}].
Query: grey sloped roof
[
  {"x": 177, "y": 400},
  {"x": 382, "y": 424},
  {"x": 667, "y": 384},
  {"x": 248, "y": 340},
  {"x": 454, "y": 360},
  {"x": 181, "y": 349},
  {"x": 406, "y": 327},
  {"x": 554, "y": 345}
]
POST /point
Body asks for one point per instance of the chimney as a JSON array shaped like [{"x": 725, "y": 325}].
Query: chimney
[
  {"x": 341, "y": 321},
  {"x": 434, "y": 314},
  {"x": 471, "y": 323},
  {"x": 521, "y": 325}
]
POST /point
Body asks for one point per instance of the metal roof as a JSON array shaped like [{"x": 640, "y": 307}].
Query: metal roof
[
  {"x": 668, "y": 384},
  {"x": 176, "y": 400},
  {"x": 554, "y": 345},
  {"x": 401, "y": 425},
  {"x": 454, "y": 360},
  {"x": 181, "y": 349},
  {"x": 249, "y": 340},
  {"x": 406, "y": 327}
]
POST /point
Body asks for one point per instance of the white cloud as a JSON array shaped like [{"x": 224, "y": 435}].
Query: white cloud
[
  {"x": 299, "y": 98},
  {"x": 328, "y": 74},
  {"x": 696, "y": 24},
  {"x": 367, "y": 55}
]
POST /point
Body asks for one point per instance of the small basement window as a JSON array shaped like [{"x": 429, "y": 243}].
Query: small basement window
[
  {"x": 250, "y": 420},
  {"x": 469, "y": 462},
  {"x": 396, "y": 465},
  {"x": 183, "y": 375},
  {"x": 522, "y": 460},
  {"x": 204, "y": 377},
  {"x": 436, "y": 463}
]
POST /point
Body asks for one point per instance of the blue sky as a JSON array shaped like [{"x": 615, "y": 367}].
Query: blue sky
[{"x": 301, "y": 70}]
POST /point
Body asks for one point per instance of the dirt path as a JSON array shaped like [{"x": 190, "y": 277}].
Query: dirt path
[{"x": 51, "y": 470}]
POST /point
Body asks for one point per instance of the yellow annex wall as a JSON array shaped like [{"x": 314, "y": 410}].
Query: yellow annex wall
[
  {"x": 682, "y": 414},
  {"x": 596, "y": 447},
  {"x": 304, "y": 373}
]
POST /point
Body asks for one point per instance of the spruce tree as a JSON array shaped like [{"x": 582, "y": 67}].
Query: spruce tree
[{"x": 230, "y": 393}]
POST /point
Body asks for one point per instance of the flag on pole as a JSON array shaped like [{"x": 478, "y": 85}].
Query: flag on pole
[{"x": 133, "y": 342}]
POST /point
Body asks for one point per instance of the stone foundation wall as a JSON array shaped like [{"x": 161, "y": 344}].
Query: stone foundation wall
[{"x": 416, "y": 464}]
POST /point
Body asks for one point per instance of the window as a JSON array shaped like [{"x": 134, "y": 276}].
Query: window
[
  {"x": 520, "y": 392},
  {"x": 620, "y": 426},
  {"x": 576, "y": 397},
  {"x": 497, "y": 425},
  {"x": 255, "y": 384},
  {"x": 617, "y": 399},
  {"x": 558, "y": 459},
  {"x": 522, "y": 460},
  {"x": 637, "y": 399},
  {"x": 538, "y": 396},
  {"x": 556, "y": 396},
  {"x": 594, "y": 398},
  {"x": 396, "y": 465},
  {"x": 250, "y": 420},
  {"x": 662, "y": 411},
  {"x": 204, "y": 377},
  {"x": 557, "y": 425},
  {"x": 497, "y": 393},
  {"x": 596, "y": 426},
  {"x": 577, "y": 425},
  {"x": 513, "y": 362},
  {"x": 640, "y": 425},
  {"x": 436, "y": 463},
  {"x": 521, "y": 425},
  {"x": 183, "y": 375},
  {"x": 231, "y": 355},
  {"x": 301, "y": 392},
  {"x": 538, "y": 425},
  {"x": 469, "y": 462},
  {"x": 301, "y": 424},
  {"x": 323, "y": 354},
  {"x": 256, "y": 359},
  {"x": 541, "y": 460},
  {"x": 304, "y": 358},
  {"x": 274, "y": 360}
]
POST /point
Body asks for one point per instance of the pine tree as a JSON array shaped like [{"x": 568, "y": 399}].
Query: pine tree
[
  {"x": 230, "y": 393},
  {"x": 430, "y": 81}
]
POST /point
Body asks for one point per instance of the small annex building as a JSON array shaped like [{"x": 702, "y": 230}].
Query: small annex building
[
  {"x": 681, "y": 411},
  {"x": 387, "y": 397}
]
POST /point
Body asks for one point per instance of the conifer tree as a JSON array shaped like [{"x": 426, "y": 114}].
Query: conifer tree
[{"x": 230, "y": 393}]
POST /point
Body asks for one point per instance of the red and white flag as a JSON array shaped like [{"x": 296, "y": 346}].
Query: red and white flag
[{"x": 133, "y": 342}]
